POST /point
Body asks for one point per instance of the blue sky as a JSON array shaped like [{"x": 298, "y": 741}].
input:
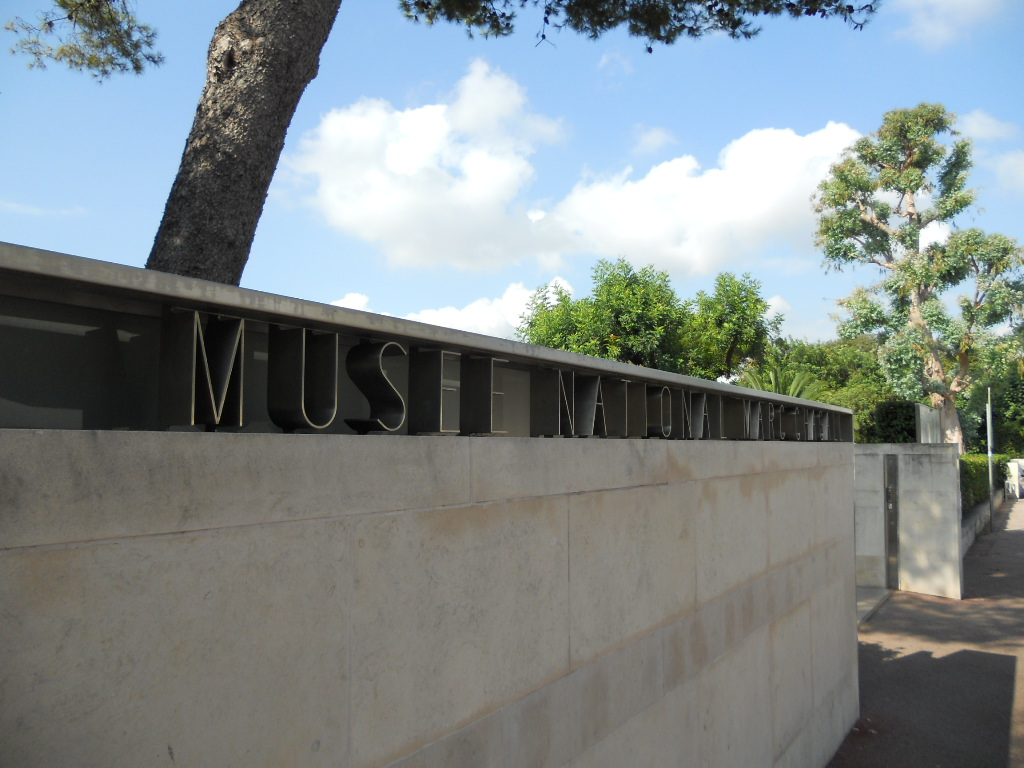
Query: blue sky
[{"x": 433, "y": 176}]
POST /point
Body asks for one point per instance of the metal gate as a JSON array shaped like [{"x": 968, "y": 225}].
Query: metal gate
[{"x": 891, "y": 481}]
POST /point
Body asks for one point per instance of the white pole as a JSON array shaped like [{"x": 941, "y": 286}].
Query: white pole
[{"x": 991, "y": 475}]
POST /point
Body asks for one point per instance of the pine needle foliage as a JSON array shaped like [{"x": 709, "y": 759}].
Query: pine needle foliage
[{"x": 102, "y": 37}]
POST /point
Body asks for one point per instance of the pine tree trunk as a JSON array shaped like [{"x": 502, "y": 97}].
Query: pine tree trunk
[{"x": 262, "y": 57}]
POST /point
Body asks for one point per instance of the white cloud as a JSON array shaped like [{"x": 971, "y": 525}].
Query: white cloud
[
  {"x": 353, "y": 301},
  {"x": 1009, "y": 168},
  {"x": 492, "y": 317},
  {"x": 777, "y": 306},
  {"x": 981, "y": 125},
  {"x": 435, "y": 184},
  {"x": 936, "y": 232},
  {"x": 445, "y": 184},
  {"x": 935, "y": 23},
  {"x": 561, "y": 282},
  {"x": 615, "y": 63},
  {"x": 680, "y": 216},
  {"x": 650, "y": 140}
]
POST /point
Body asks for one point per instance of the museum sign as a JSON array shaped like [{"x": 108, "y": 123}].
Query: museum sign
[{"x": 92, "y": 345}]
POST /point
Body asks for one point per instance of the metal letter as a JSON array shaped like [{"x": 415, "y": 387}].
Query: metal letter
[
  {"x": 545, "y": 405},
  {"x": 481, "y": 404},
  {"x": 736, "y": 418},
  {"x": 699, "y": 408},
  {"x": 636, "y": 409},
  {"x": 552, "y": 402},
  {"x": 798, "y": 433},
  {"x": 201, "y": 369},
  {"x": 682, "y": 424},
  {"x": 715, "y": 411},
  {"x": 659, "y": 412},
  {"x": 752, "y": 419},
  {"x": 600, "y": 413},
  {"x": 365, "y": 366},
  {"x": 433, "y": 392},
  {"x": 302, "y": 378},
  {"x": 616, "y": 407},
  {"x": 585, "y": 396},
  {"x": 811, "y": 425}
]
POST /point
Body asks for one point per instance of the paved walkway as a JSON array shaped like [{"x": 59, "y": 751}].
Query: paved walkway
[
  {"x": 869, "y": 600},
  {"x": 942, "y": 681}
]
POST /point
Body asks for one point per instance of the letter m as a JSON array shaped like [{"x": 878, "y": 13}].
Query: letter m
[{"x": 201, "y": 369}]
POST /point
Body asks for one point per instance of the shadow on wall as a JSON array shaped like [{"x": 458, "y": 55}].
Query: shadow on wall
[
  {"x": 926, "y": 710},
  {"x": 80, "y": 383}
]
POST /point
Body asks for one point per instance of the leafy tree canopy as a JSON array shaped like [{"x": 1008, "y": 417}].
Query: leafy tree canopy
[
  {"x": 631, "y": 316},
  {"x": 782, "y": 381},
  {"x": 636, "y": 317},
  {"x": 996, "y": 367},
  {"x": 729, "y": 328},
  {"x": 844, "y": 372},
  {"x": 887, "y": 204},
  {"x": 1008, "y": 412}
]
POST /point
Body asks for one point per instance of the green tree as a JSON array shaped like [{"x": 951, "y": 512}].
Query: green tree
[
  {"x": 996, "y": 367},
  {"x": 1008, "y": 415},
  {"x": 728, "y": 328},
  {"x": 783, "y": 381},
  {"x": 98, "y": 36},
  {"x": 631, "y": 316},
  {"x": 845, "y": 372},
  {"x": 849, "y": 369},
  {"x": 265, "y": 53},
  {"x": 875, "y": 208},
  {"x": 636, "y": 317}
]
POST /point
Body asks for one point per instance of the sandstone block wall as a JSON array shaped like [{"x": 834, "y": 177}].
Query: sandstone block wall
[{"x": 253, "y": 599}]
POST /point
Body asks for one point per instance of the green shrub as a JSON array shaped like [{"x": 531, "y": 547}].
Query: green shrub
[
  {"x": 892, "y": 421},
  {"x": 974, "y": 478}
]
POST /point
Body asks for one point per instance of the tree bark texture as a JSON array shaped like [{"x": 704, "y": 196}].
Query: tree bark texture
[
  {"x": 949, "y": 420},
  {"x": 262, "y": 57},
  {"x": 935, "y": 372}
]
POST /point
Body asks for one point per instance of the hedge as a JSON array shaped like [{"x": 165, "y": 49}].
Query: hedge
[
  {"x": 892, "y": 421},
  {"x": 974, "y": 478}
]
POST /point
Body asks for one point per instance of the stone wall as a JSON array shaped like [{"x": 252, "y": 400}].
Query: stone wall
[
  {"x": 926, "y": 420},
  {"x": 930, "y": 556},
  {"x": 265, "y": 599},
  {"x": 977, "y": 520}
]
